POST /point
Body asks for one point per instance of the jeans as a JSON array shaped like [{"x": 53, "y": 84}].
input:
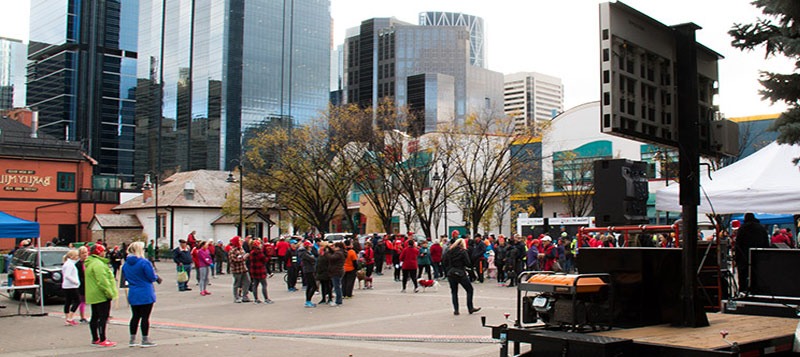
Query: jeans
[
  {"x": 464, "y": 282},
  {"x": 337, "y": 288},
  {"x": 202, "y": 277},
  {"x": 426, "y": 268},
  {"x": 241, "y": 284},
  {"x": 437, "y": 270},
  {"x": 188, "y": 268},
  {"x": 326, "y": 287},
  {"x": 263, "y": 283}
]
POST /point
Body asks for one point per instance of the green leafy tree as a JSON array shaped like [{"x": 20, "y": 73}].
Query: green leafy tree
[{"x": 779, "y": 34}]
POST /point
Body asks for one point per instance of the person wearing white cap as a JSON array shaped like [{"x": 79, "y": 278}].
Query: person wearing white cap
[{"x": 550, "y": 253}]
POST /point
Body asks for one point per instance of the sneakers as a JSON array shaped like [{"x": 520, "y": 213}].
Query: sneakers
[
  {"x": 203, "y": 293},
  {"x": 84, "y": 321},
  {"x": 402, "y": 291},
  {"x": 310, "y": 304},
  {"x": 132, "y": 342},
  {"x": 257, "y": 301},
  {"x": 416, "y": 290},
  {"x": 455, "y": 313},
  {"x": 237, "y": 301},
  {"x": 105, "y": 343},
  {"x": 71, "y": 323},
  {"x": 147, "y": 343},
  {"x": 268, "y": 301},
  {"x": 96, "y": 343},
  {"x": 332, "y": 303},
  {"x": 207, "y": 292},
  {"x": 245, "y": 299}
]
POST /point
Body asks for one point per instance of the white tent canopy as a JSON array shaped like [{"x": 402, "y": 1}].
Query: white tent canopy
[{"x": 766, "y": 181}]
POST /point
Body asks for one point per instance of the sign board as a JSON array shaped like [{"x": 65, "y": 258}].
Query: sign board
[{"x": 638, "y": 79}]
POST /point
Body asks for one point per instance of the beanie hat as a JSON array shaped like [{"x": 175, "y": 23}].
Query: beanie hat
[
  {"x": 98, "y": 249},
  {"x": 235, "y": 241}
]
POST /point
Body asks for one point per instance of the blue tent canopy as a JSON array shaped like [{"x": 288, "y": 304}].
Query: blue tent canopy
[
  {"x": 13, "y": 227},
  {"x": 768, "y": 218}
]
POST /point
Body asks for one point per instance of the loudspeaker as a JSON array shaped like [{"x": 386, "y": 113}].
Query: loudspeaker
[{"x": 620, "y": 192}]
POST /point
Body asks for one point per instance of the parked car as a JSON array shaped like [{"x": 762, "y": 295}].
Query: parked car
[
  {"x": 52, "y": 258},
  {"x": 337, "y": 237}
]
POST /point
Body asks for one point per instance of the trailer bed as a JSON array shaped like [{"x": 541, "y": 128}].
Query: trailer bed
[{"x": 746, "y": 330}]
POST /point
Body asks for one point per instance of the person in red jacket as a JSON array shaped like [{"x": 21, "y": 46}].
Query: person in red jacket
[
  {"x": 191, "y": 240},
  {"x": 258, "y": 271},
  {"x": 387, "y": 242},
  {"x": 369, "y": 263},
  {"x": 782, "y": 237},
  {"x": 436, "y": 258},
  {"x": 550, "y": 253},
  {"x": 280, "y": 249},
  {"x": 408, "y": 262}
]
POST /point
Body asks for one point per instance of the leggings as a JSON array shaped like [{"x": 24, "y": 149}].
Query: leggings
[
  {"x": 409, "y": 274},
  {"x": 82, "y": 306},
  {"x": 71, "y": 300},
  {"x": 140, "y": 313},
  {"x": 263, "y": 283},
  {"x": 97, "y": 324},
  {"x": 311, "y": 287}
]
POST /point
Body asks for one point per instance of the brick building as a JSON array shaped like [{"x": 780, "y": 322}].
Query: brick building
[{"x": 50, "y": 181}]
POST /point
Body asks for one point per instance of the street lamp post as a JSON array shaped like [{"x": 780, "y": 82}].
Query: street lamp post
[
  {"x": 436, "y": 178},
  {"x": 239, "y": 230},
  {"x": 444, "y": 177},
  {"x": 154, "y": 185}
]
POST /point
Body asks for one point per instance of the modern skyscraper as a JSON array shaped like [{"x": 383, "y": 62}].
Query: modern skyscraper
[
  {"x": 383, "y": 53},
  {"x": 531, "y": 97},
  {"x": 13, "y": 55},
  {"x": 474, "y": 24},
  {"x": 82, "y": 76},
  {"x": 209, "y": 70}
]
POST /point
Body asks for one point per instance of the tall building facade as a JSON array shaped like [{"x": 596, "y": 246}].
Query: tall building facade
[
  {"x": 13, "y": 54},
  {"x": 530, "y": 97},
  {"x": 210, "y": 70},
  {"x": 81, "y": 77},
  {"x": 383, "y": 53},
  {"x": 474, "y": 24}
]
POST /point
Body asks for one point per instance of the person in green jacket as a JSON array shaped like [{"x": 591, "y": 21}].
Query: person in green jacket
[{"x": 100, "y": 290}]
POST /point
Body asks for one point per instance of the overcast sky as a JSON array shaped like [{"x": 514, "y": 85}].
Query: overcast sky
[{"x": 558, "y": 38}]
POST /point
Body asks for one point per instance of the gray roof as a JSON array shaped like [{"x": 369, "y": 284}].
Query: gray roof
[
  {"x": 210, "y": 191},
  {"x": 117, "y": 221}
]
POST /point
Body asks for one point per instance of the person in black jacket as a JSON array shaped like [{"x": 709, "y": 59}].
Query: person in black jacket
[
  {"x": 182, "y": 257},
  {"x": 308, "y": 260},
  {"x": 751, "y": 235},
  {"x": 455, "y": 262}
]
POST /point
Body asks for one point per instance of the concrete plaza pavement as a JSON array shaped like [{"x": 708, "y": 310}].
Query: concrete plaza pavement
[{"x": 376, "y": 322}]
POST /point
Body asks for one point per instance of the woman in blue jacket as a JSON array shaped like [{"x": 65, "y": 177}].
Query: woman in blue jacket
[{"x": 140, "y": 276}]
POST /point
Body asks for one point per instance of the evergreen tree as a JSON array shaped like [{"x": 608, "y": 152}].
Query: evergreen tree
[{"x": 779, "y": 33}]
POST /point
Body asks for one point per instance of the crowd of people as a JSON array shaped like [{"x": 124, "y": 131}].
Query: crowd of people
[
  {"x": 89, "y": 279},
  {"x": 331, "y": 269}
]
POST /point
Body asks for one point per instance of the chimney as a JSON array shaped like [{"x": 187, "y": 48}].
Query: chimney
[
  {"x": 35, "y": 124},
  {"x": 147, "y": 189},
  {"x": 188, "y": 190}
]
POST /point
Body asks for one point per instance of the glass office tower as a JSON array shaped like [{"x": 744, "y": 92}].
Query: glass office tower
[
  {"x": 82, "y": 76},
  {"x": 210, "y": 70}
]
